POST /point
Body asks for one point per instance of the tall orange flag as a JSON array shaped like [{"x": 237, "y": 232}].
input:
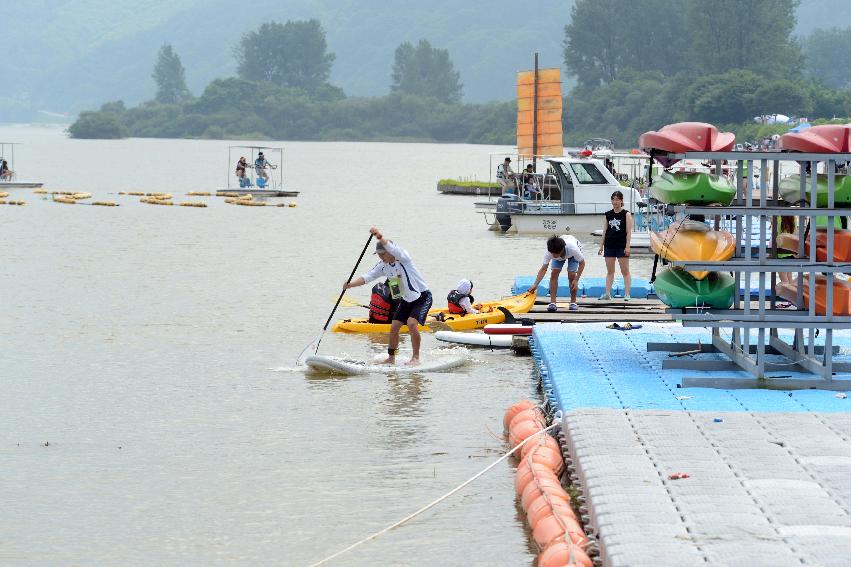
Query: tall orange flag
[{"x": 549, "y": 138}]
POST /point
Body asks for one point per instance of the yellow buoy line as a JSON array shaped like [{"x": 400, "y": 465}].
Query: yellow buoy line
[
  {"x": 154, "y": 198},
  {"x": 5, "y": 202}
]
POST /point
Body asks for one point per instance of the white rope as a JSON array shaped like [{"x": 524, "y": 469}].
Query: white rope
[{"x": 435, "y": 502}]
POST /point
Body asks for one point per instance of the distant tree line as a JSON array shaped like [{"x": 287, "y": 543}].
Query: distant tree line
[
  {"x": 721, "y": 61},
  {"x": 282, "y": 92},
  {"x": 637, "y": 66}
]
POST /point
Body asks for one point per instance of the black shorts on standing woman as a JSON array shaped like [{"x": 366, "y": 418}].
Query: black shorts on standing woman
[{"x": 614, "y": 244}]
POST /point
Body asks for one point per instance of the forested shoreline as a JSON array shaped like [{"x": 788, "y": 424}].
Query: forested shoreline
[{"x": 636, "y": 69}]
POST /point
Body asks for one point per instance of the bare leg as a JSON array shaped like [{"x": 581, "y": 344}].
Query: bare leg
[
  {"x": 554, "y": 284},
  {"x": 610, "y": 274},
  {"x": 393, "y": 343},
  {"x": 414, "y": 330},
  {"x": 627, "y": 277},
  {"x": 571, "y": 278}
]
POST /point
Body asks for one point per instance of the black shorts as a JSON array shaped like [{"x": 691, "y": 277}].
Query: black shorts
[
  {"x": 614, "y": 252},
  {"x": 417, "y": 309}
]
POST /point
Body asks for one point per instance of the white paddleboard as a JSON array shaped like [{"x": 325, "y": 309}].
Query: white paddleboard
[
  {"x": 334, "y": 365},
  {"x": 474, "y": 339}
]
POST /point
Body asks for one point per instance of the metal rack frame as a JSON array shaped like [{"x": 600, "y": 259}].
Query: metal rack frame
[{"x": 753, "y": 259}]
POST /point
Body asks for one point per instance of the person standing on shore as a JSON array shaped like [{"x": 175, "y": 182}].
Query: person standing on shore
[
  {"x": 561, "y": 250},
  {"x": 406, "y": 283},
  {"x": 617, "y": 234}
]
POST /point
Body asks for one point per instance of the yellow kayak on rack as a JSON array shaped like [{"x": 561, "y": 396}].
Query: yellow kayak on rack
[
  {"x": 693, "y": 245},
  {"x": 517, "y": 304}
]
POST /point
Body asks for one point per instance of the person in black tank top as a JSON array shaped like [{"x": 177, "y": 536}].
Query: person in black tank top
[{"x": 617, "y": 233}]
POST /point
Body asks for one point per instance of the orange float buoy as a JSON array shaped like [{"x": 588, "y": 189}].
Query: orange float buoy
[
  {"x": 564, "y": 553},
  {"x": 519, "y": 432},
  {"x": 526, "y": 473},
  {"x": 536, "y": 414},
  {"x": 541, "y": 440},
  {"x": 544, "y": 506},
  {"x": 514, "y": 410},
  {"x": 552, "y": 488},
  {"x": 557, "y": 526},
  {"x": 547, "y": 456}
]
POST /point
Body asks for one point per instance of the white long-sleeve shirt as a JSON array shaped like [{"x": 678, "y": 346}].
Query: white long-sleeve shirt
[{"x": 413, "y": 283}]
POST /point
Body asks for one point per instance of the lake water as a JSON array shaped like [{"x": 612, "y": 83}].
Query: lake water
[{"x": 152, "y": 350}]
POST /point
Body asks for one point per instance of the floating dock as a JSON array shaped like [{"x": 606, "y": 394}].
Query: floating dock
[
  {"x": 452, "y": 189},
  {"x": 696, "y": 476}
]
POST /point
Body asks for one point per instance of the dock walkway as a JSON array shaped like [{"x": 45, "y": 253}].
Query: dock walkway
[
  {"x": 594, "y": 310},
  {"x": 768, "y": 470}
]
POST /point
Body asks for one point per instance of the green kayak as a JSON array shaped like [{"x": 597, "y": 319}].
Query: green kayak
[
  {"x": 790, "y": 189},
  {"x": 677, "y": 288},
  {"x": 692, "y": 189}
]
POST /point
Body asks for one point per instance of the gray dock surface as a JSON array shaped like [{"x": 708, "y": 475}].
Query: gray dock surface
[
  {"x": 769, "y": 489},
  {"x": 594, "y": 310}
]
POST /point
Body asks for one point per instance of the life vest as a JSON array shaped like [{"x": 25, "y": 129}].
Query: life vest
[
  {"x": 381, "y": 305},
  {"x": 454, "y": 299}
]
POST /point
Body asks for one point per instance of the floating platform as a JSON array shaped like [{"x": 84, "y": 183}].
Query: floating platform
[
  {"x": 256, "y": 192},
  {"x": 696, "y": 476},
  {"x": 20, "y": 185},
  {"x": 591, "y": 287}
]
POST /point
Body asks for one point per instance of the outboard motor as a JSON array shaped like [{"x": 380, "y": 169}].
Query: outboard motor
[{"x": 504, "y": 207}]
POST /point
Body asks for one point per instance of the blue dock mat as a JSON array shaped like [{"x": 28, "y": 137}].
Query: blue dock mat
[
  {"x": 590, "y": 366},
  {"x": 590, "y": 287}
]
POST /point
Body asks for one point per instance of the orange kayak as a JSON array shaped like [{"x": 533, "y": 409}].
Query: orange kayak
[
  {"x": 686, "y": 245},
  {"x": 841, "y": 244},
  {"x": 841, "y": 295}
]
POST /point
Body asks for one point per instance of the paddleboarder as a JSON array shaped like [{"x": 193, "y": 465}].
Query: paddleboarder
[{"x": 406, "y": 283}]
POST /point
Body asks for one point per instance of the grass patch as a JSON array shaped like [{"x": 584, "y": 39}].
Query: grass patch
[{"x": 467, "y": 183}]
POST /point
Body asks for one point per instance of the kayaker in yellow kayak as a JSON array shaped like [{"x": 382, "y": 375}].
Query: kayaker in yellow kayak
[
  {"x": 561, "y": 250},
  {"x": 406, "y": 283},
  {"x": 459, "y": 300}
]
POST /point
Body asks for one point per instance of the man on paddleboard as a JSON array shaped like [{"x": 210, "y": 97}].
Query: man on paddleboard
[{"x": 406, "y": 283}]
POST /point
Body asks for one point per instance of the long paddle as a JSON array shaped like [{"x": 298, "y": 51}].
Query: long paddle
[{"x": 342, "y": 293}]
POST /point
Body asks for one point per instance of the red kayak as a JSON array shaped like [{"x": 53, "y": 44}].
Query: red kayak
[
  {"x": 687, "y": 137},
  {"x": 508, "y": 329},
  {"x": 827, "y": 138}
]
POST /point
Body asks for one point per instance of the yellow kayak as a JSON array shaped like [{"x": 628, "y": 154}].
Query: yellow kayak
[
  {"x": 693, "y": 245},
  {"x": 516, "y": 304}
]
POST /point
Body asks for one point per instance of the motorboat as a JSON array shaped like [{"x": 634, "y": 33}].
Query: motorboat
[{"x": 574, "y": 192}]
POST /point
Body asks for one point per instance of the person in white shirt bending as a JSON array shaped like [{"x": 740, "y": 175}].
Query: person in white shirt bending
[
  {"x": 561, "y": 250},
  {"x": 405, "y": 282}
]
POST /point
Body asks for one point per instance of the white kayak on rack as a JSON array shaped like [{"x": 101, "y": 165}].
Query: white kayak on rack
[
  {"x": 474, "y": 339},
  {"x": 335, "y": 365}
]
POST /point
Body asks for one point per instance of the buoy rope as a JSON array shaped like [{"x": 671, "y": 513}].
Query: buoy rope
[
  {"x": 585, "y": 541},
  {"x": 434, "y": 502}
]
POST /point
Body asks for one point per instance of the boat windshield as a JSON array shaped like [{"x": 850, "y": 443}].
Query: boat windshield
[{"x": 587, "y": 173}]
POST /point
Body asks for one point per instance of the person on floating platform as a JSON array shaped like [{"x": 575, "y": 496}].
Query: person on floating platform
[
  {"x": 241, "y": 166},
  {"x": 505, "y": 177},
  {"x": 617, "y": 234},
  {"x": 5, "y": 173},
  {"x": 406, "y": 283},
  {"x": 260, "y": 166},
  {"x": 561, "y": 250},
  {"x": 460, "y": 301}
]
